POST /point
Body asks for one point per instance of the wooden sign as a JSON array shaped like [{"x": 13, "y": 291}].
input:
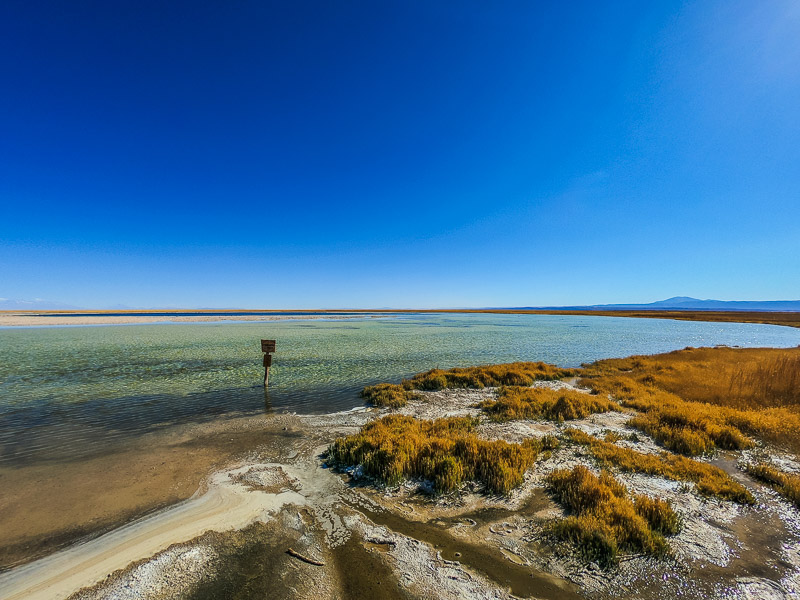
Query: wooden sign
[
  {"x": 268, "y": 345},
  {"x": 268, "y": 360}
]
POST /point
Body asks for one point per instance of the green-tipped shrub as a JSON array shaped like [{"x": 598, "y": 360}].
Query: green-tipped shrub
[
  {"x": 445, "y": 452},
  {"x": 604, "y": 520},
  {"x": 543, "y": 403},
  {"x": 709, "y": 480}
]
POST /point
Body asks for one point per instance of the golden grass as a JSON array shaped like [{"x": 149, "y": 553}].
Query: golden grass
[
  {"x": 605, "y": 519},
  {"x": 699, "y": 399},
  {"x": 518, "y": 373},
  {"x": 516, "y": 402},
  {"x": 786, "y": 484},
  {"x": 387, "y": 394},
  {"x": 740, "y": 378},
  {"x": 708, "y": 479},
  {"x": 445, "y": 452}
]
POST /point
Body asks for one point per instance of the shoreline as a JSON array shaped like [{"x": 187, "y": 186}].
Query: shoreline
[
  {"x": 58, "y": 318},
  {"x": 467, "y": 546},
  {"x": 11, "y": 321}
]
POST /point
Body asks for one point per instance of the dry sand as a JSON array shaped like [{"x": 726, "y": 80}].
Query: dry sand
[{"x": 27, "y": 320}]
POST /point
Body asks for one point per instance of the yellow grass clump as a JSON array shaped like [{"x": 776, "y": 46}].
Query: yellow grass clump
[
  {"x": 742, "y": 378},
  {"x": 387, "y": 394},
  {"x": 517, "y": 402},
  {"x": 445, "y": 452},
  {"x": 605, "y": 520},
  {"x": 699, "y": 399},
  {"x": 518, "y": 373},
  {"x": 786, "y": 484},
  {"x": 708, "y": 479}
]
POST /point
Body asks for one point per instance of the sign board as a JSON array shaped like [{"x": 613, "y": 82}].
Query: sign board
[
  {"x": 268, "y": 345},
  {"x": 268, "y": 360}
]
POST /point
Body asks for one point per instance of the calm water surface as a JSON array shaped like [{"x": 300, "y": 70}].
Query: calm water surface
[{"x": 70, "y": 391}]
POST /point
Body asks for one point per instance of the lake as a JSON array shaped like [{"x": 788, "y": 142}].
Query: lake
[{"x": 71, "y": 391}]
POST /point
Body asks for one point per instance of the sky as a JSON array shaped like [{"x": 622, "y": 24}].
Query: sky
[{"x": 415, "y": 154}]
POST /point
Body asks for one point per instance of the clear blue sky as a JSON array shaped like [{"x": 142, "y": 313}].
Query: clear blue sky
[{"x": 398, "y": 153}]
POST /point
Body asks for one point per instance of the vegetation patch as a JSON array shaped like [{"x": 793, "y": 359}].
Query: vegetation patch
[
  {"x": 708, "y": 479},
  {"x": 786, "y": 484},
  {"x": 518, "y": 373},
  {"x": 516, "y": 402},
  {"x": 605, "y": 519},
  {"x": 388, "y": 394},
  {"x": 700, "y": 399},
  {"x": 445, "y": 451}
]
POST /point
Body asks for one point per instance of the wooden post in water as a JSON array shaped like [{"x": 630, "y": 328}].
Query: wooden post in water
[{"x": 267, "y": 346}]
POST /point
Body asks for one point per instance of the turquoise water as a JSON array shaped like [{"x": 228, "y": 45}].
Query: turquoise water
[{"x": 66, "y": 391}]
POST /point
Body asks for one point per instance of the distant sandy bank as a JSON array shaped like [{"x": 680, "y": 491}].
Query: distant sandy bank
[{"x": 24, "y": 320}]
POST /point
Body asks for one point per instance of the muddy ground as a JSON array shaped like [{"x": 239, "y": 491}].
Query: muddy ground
[{"x": 352, "y": 539}]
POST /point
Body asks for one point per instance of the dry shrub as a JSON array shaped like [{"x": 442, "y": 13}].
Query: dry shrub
[
  {"x": 708, "y": 479},
  {"x": 786, "y": 484},
  {"x": 604, "y": 520},
  {"x": 445, "y": 452},
  {"x": 743, "y": 378},
  {"x": 518, "y": 373},
  {"x": 387, "y": 394},
  {"x": 534, "y": 403},
  {"x": 694, "y": 427}
]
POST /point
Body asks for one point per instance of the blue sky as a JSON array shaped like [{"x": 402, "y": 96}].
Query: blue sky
[{"x": 402, "y": 154}]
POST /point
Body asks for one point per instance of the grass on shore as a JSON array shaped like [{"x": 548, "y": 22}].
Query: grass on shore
[
  {"x": 708, "y": 479},
  {"x": 518, "y": 373},
  {"x": 445, "y": 452},
  {"x": 516, "y": 402},
  {"x": 786, "y": 484},
  {"x": 388, "y": 394},
  {"x": 605, "y": 520},
  {"x": 698, "y": 399}
]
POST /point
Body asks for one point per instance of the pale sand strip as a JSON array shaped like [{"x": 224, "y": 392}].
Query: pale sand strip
[
  {"x": 22, "y": 320},
  {"x": 226, "y": 505}
]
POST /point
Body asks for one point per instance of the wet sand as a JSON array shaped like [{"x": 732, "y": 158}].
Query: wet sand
[{"x": 48, "y": 505}]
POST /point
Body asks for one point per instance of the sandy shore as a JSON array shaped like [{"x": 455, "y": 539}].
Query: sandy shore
[
  {"x": 363, "y": 541},
  {"x": 24, "y": 320}
]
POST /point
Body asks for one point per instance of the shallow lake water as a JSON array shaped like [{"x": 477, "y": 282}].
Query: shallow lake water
[{"x": 71, "y": 391}]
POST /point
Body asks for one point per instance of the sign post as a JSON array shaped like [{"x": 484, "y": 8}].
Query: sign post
[{"x": 267, "y": 346}]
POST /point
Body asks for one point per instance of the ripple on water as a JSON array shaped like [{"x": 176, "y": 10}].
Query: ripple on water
[{"x": 65, "y": 392}]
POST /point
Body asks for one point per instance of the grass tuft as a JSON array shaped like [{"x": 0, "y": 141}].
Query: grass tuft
[
  {"x": 605, "y": 519},
  {"x": 518, "y": 373},
  {"x": 708, "y": 479},
  {"x": 445, "y": 452},
  {"x": 786, "y": 484},
  {"x": 387, "y": 394},
  {"x": 700, "y": 399},
  {"x": 534, "y": 403}
]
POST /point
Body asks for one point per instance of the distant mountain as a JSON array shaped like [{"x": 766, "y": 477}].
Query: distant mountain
[
  {"x": 35, "y": 304},
  {"x": 687, "y": 303}
]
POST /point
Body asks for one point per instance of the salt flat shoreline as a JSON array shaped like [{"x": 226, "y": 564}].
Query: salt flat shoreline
[
  {"x": 21, "y": 320},
  {"x": 468, "y": 546},
  {"x": 29, "y": 319}
]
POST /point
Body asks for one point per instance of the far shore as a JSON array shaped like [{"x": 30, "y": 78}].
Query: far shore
[{"x": 109, "y": 317}]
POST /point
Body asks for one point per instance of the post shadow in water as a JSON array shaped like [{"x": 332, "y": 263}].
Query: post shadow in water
[{"x": 267, "y": 402}]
